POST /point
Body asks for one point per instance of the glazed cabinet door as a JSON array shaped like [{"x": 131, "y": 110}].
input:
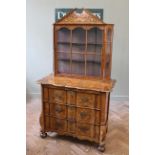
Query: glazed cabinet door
[{"x": 79, "y": 51}]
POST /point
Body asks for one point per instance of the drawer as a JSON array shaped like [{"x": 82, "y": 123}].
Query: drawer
[
  {"x": 96, "y": 132},
  {"x": 58, "y": 110},
  {"x": 86, "y": 100},
  {"x": 46, "y": 108},
  {"x": 45, "y": 94},
  {"x": 97, "y": 117},
  {"x": 58, "y": 125},
  {"x": 85, "y": 130},
  {"x": 71, "y": 97},
  {"x": 85, "y": 115},
  {"x": 47, "y": 123},
  {"x": 58, "y": 96},
  {"x": 71, "y": 111},
  {"x": 71, "y": 127}
]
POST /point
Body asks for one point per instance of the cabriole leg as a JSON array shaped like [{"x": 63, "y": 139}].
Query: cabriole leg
[
  {"x": 101, "y": 146},
  {"x": 43, "y": 134}
]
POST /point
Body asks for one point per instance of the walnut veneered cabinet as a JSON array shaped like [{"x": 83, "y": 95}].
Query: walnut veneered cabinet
[
  {"x": 75, "y": 100},
  {"x": 83, "y": 46}
]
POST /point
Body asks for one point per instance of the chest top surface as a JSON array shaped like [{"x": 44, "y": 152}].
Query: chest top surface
[{"x": 86, "y": 84}]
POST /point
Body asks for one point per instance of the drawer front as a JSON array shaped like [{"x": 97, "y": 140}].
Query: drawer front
[
  {"x": 58, "y": 125},
  {"x": 47, "y": 123},
  {"x": 57, "y": 96},
  {"x": 97, "y": 117},
  {"x": 96, "y": 132},
  {"x": 58, "y": 110},
  {"x": 71, "y": 111},
  {"x": 71, "y": 127},
  {"x": 45, "y": 94},
  {"x": 86, "y": 100},
  {"x": 46, "y": 108},
  {"x": 71, "y": 97},
  {"x": 85, "y": 115},
  {"x": 85, "y": 130}
]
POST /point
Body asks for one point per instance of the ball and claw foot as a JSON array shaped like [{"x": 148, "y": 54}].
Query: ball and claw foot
[
  {"x": 43, "y": 134},
  {"x": 101, "y": 147}
]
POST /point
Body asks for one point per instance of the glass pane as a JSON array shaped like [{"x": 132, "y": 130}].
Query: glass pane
[
  {"x": 93, "y": 58},
  {"x": 79, "y": 36},
  {"x": 64, "y": 56},
  {"x": 95, "y": 36},
  {"x": 78, "y": 57},
  {"x": 63, "y": 47},
  {"x": 64, "y": 67},
  {"x": 78, "y": 48},
  {"x": 94, "y": 48},
  {"x": 63, "y": 63},
  {"x": 93, "y": 65},
  {"x": 78, "y": 64},
  {"x": 63, "y": 35}
]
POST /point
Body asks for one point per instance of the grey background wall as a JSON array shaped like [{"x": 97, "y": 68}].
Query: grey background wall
[{"x": 40, "y": 16}]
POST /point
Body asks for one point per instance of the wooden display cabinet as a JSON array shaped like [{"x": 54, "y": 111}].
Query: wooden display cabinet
[
  {"x": 75, "y": 100},
  {"x": 83, "y": 46}
]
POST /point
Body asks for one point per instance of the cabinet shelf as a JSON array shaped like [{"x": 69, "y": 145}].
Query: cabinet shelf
[
  {"x": 92, "y": 62},
  {"x": 81, "y": 44},
  {"x": 96, "y": 44},
  {"x": 82, "y": 53},
  {"x": 80, "y": 61}
]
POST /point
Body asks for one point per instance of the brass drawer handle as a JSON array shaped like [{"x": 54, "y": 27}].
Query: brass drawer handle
[
  {"x": 83, "y": 114},
  {"x": 83, "y": 129},
  {"x": 58, "y": 109}
]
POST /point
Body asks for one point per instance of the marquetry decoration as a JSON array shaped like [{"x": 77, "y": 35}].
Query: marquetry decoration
[
  {"x": 75, "y": 99},
  {"x": 85, "y": 17}
]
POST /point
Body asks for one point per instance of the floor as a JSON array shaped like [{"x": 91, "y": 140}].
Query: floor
[{"x": 117, "y": 139}]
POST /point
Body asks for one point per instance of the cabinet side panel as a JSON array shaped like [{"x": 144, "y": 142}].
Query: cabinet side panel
[
  {"x": 103, "y": 104},
  {"x": 111, "y": 45},
  {"x": 55, "y": 48},
  {"x": 107, "y": 106},
  {"x": 45, "y": 93},
  {"x": 45, "y": 119},
  {"x": 42, "y": 119}
]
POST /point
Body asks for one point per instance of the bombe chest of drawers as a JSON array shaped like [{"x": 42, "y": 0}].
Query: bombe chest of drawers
[{"x": 75, "y": 100}]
